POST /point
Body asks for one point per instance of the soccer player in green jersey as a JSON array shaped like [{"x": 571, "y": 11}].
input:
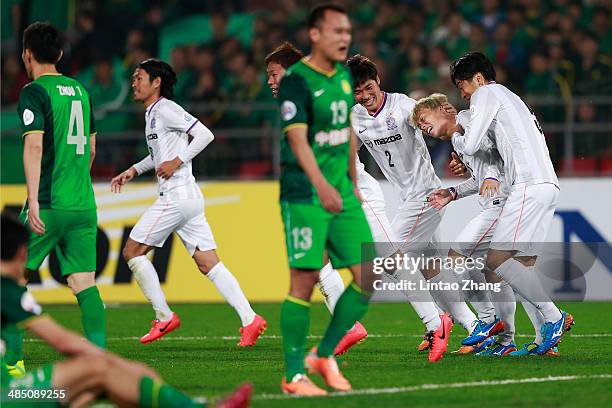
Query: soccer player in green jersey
[
  {"x": 319, "y": 207},
  {"x": 89, "y": 373},
  {"x": 59, "y": 146}
]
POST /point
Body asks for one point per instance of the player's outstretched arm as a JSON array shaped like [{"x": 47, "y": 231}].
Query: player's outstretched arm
[
  {"x": 61, "y": 339},
  {"x": 32, "y": 157},
  {"x": 329, "y": 196}
]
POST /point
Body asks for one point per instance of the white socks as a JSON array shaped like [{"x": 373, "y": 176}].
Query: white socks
[
  {"x": 526, "y": 283},
  {"x": 451, "y": 302},
  {"x": 331, "y": 286},
  {"x": 505, "y": 306},
  {"x": 479, "y": 299},
  {"x": 148, "y": 280},
  {"x": 420, "y": 300},
  {"x": 536, "y": 319},
  {"x": 229, "y": 287}
]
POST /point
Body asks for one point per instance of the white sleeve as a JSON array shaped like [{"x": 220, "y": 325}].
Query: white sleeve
[
  {"x": 467, "y": 188},
  {"x": 492, "y": 172},
  {"x": 202, "y": 136},
  {"x": 176, "y": 118},
  {"x": 144, "y": 165},
  {"x": 483, "y": 108}
]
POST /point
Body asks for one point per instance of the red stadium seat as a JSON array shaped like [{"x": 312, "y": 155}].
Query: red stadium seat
[
  {"x": 583, "y": 166},
  {"x": 254, "y": 169}
]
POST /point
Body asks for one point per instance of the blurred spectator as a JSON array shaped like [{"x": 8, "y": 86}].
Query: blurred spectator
[
  {"x": 593, "y": 70},
  {"x": 13, "y": 79},
  {"x": 491, "y": 15}
]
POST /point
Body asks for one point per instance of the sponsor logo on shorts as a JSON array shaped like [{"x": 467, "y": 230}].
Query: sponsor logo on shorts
[{"x": 152, "y": 136}]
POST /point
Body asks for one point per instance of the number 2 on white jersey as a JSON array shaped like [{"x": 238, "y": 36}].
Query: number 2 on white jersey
[{"x": 77, "y": 136}]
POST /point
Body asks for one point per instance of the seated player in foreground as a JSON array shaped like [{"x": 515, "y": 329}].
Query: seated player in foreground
[
  {"x": 488, "y": 180},
  {"x": 330, "y": 281},
  {"x": 180, "y": 205},
  {"x": 89, "y": 373}
]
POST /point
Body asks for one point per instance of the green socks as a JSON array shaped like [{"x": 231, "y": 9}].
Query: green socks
[
  {"x": 352, "y": 306},
  {"x": 93, "y": 315},
  {"x": 13, "y": 337},
  {"x": 295, "y": 321},
  {"x": 160, "y": 395}
]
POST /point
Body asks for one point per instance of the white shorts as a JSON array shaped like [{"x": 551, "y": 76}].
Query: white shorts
[
  {"x": 374, "y": 208},
  {"x": 417, "y": 226},
  {"x": 526, "y": 217},
  {"x": 185, "y": 217},
  {"x": 475, "y": 238}
]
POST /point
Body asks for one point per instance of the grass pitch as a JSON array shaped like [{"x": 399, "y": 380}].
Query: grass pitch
[{"x": 201, "y": 359}]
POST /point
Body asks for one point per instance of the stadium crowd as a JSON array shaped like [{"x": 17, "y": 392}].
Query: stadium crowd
[{"x": 552, "y": 48}]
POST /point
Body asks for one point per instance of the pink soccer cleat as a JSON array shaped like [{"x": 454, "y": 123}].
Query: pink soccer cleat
[
  {"x": 354, "y": 336},
  {"x": 250, "y": 333},
  {"x": 160, "y": 329}
]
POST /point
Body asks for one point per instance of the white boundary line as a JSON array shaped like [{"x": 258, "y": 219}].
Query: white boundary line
[
  {"x": 277, "y": 337},
  {"x": 427, "y": 387}
]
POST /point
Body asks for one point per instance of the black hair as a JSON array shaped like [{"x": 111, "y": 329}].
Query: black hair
[
  {"x": 317, "y": 13},
  {"x": 362, "y": 69},
  {"x": 14, "y": 236},
  {"x": 160, "y": 69},
  {"x": 469, "y": 65},
  {"x": 285, "y": 55},
  {"x": 45, "y": 41}
]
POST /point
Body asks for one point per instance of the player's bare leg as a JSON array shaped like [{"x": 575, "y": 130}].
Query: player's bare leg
[
  {"x": 93, "y": 316},
  {"x": 135, "y": 254},
  {"x": 211, "y": 266}
]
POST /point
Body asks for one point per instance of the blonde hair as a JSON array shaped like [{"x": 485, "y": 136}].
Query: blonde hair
[{"x": 431, "y": 102}]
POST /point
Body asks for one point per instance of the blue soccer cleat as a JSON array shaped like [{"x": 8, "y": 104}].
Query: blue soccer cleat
[
  {"x": 531, "y": 349},
  {"x": 476, "y": 348},
  {"x": 553, "y": 331},
  {"x": 483, "y": 331},
  {"x": 498, "y": 349}
]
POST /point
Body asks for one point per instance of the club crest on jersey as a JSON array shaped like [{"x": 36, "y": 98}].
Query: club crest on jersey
[
  {"x": 288, "y": 110},
  {"x": 346, "y": 87},
  {"x": 369, "y": 143},
  {"x": 188, "y": 118},
  {"x": 390, "y": 120},
  {"x": 153, "y": 123}
]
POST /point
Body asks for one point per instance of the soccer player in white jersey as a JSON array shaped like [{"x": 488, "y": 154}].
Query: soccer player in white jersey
[
  {"x": 180, "y": 205},
  {"x": 381, "y": 121},
  {"x": 534, "y": 187},
  {"x": 487, "y": 179}
]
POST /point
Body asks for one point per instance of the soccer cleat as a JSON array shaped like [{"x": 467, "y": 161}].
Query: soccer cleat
[
  {"x": 240, "y": 398},
  {"x": 476, "y": 348},
  {"x": 354, "y": 336},
  {"x": 531, "y": 349},
  {"x": 160, "y": 329},
  {"x": 250, "y": 333},
  {"x": 553, "y": 331},
  {"x": 301, "y": 385},
  {"x": 17, "y": 370},
  {"x": 439, "y": 338},
  {"x": 483, "y": 331},
  {"x": 426, "y": 342},
  {"x": 498, "y": 349},
  {"x": 326, "y": 367}
]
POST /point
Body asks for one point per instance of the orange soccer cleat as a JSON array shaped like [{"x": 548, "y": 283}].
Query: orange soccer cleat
[
  {"x": 250, "y": 333},
  {"x": 327, "y": 368},
  {"x": 354, "y": 336},
  {"x": 439, "y": 338},
  {"x": 301, "y": 385},
  {"x": 160, "y": 329}
]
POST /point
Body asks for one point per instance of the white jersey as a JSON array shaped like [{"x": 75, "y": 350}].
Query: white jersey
[
  {"x": 167, "y": 127},
  {"x": 485, "y": 163},
  {"x": 518, "y": 136},
  {"x": 397, "y": 147}
]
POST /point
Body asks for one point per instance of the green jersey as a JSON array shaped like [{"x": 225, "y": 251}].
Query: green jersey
[
  {"x": 60, "y": 107},
  {"x": 18, "y": 307},
  {"x": 321, "y": 102}
]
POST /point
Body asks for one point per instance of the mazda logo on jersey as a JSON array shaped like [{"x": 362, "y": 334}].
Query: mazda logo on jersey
[{"x": 385, "y": 140}]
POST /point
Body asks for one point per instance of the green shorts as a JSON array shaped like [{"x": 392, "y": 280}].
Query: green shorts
[
  {"x": 73, "y": 236},
  {"x": 310, "y": 230},
  {"x": 14, "y": 393}
]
